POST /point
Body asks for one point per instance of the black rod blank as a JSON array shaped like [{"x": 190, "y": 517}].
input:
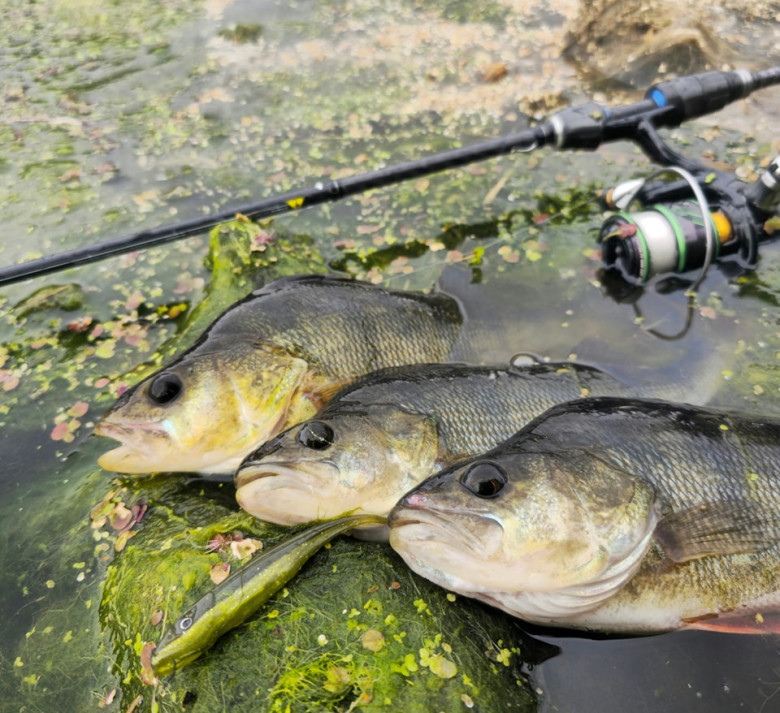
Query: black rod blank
[
  {"x": 668, "y": 103},
  {"x": 283, "y": 203}
]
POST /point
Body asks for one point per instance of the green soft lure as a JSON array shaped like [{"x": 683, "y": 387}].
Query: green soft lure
[{"x": 233, "y": 601}]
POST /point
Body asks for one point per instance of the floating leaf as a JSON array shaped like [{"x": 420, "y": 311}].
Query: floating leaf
[
  {"x": 373, "y": 640},
  {"x": 148, "y": 676},
  {"x": 8, "y": 380},
  {"x": 121, "y": 517},
  {"x": 121, "y": 541},
  {"x": 219, "y": 572},
  {"x": 61, "y": 432}
]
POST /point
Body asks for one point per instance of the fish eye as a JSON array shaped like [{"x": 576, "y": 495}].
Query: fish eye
[
  {"x": 185, "y": 623},
  {"x": 317, "y": 435},
  {"x": 165, "y": 388},
  {"x": 485, "y": 479}
]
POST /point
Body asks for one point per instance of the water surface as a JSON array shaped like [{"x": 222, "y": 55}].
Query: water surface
[{"x": 125, "y": 116}]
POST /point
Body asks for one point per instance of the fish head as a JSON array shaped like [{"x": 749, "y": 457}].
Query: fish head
[
  {"x": 355, "y": 461},
  {"x": 203, "y": 413},
  {"x": 524, "y": 522}
]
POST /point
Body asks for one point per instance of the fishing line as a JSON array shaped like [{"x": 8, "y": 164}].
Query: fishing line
[{"x": 710, "y": 238}]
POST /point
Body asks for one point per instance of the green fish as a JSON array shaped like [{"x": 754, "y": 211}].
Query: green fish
[
  {"x": 388, "y": 431},
  {"x": 271, "y": 360},
  {"x": 231, "y": 602},
  {"x": 616, "y": 515}
]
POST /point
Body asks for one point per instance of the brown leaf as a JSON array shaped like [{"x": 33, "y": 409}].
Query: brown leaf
[
  {"x": 494, "y": 72},
  {"x": 148, "y": 676},
  {"x": 219, "y": 572}
]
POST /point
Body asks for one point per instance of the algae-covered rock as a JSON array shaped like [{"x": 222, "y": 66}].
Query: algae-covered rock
[
  {"x": 243, "y": 256},
  {"x": 354, "y": 629},
  {"x": 636, "y": 41}
]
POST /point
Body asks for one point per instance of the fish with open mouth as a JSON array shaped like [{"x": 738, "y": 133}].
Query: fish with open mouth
[
  {"x": 269, "y": 361},
  {"x": 388, "y": 431},
  {"x": 617, "y": 515}
]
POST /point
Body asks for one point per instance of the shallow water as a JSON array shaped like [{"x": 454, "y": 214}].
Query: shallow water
[{"x": 158, "y": 115}]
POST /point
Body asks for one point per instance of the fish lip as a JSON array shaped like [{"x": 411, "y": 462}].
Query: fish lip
[
  {"x": 282, "y": 494},
  {"x": 400, "y": 521},
  {"x": 125, "y": 432},
  {"x": 419, "y": 516},
  {"x": 404, "y": 512},
  {"x": 406, "y": 516},
  {"x": 134, "y": 443},
  {"x": 307, "y": 480}
]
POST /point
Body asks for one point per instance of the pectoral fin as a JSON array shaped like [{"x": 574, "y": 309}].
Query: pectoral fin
[
  {"x": 318, "y": 394},
  {"x": 716, "y": 529},
  {"x": 737, "y": 623}
]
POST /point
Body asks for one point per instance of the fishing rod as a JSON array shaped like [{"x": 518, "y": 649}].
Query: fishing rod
[{"x": 666, "y": 104}]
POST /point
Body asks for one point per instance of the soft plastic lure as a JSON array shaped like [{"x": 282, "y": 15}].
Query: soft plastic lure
[{"x": 232, "y": 602}]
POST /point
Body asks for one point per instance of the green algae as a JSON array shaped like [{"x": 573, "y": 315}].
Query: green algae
[
  {"x": 307, "y": 647},
  {"x": 223, "y": 127}
]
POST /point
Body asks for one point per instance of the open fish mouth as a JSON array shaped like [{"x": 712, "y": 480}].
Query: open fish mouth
[
  {"x": 142, "y": 447},
  {"x": 127, "y": 433}
]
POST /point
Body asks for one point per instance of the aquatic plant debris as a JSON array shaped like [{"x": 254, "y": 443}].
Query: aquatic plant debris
[{"x": 103, "y": 106}]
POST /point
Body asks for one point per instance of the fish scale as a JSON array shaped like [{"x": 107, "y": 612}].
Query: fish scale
[
  {"x": 720, "y": 461},
  {"x": 266, "y": 363},
  {"x": 316, "y": 316},
  {"x": 703, "y": 483},
  {"x": 393, "y": 428},
  {"x": 474, "y": 407}
]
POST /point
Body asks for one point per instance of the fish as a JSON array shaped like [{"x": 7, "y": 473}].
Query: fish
[
  {"x": 619, "y": 515},
  {"x": 386, "y": 432},
  {"x": 235, "y": 599},
  {"x": 269, "y": 361}
]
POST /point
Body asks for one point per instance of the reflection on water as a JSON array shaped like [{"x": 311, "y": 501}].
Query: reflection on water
[
  {"x": 691, "y": 671},
  {"x": 652, "y": 338}
]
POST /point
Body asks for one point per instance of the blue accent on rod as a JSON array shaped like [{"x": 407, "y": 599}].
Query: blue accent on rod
[{"x": 658, "y": 97}]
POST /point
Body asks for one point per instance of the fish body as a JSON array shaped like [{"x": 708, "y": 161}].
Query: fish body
[
  {"x": 269, "y": 361},
  {"x": 611, "y": 514},
  {"x": 388, "y": 431},
  {"x": 235, "y": 599}
]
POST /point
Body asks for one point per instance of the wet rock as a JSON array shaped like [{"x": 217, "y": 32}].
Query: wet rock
[{"x": 635, "y": 42}]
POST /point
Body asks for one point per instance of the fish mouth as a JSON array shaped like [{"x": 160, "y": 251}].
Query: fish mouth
[
  {"x": 286, "y": 494},
  {"x": 301, "y": 475},
  {"x": 127, "y": 432},
  {"x": 434, "y": 546},
  {"x": 442, "y": 548},
  {"x": 422, "y": 526},
  {"x": 137, "y": 445}
]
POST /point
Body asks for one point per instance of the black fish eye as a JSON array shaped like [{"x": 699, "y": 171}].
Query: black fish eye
[
  {"x": 185, "y": 623},
  {"x": 485, "y": 479},
  {"x": 317, "y": 435},
  {"x": 164, "y": 388}
]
